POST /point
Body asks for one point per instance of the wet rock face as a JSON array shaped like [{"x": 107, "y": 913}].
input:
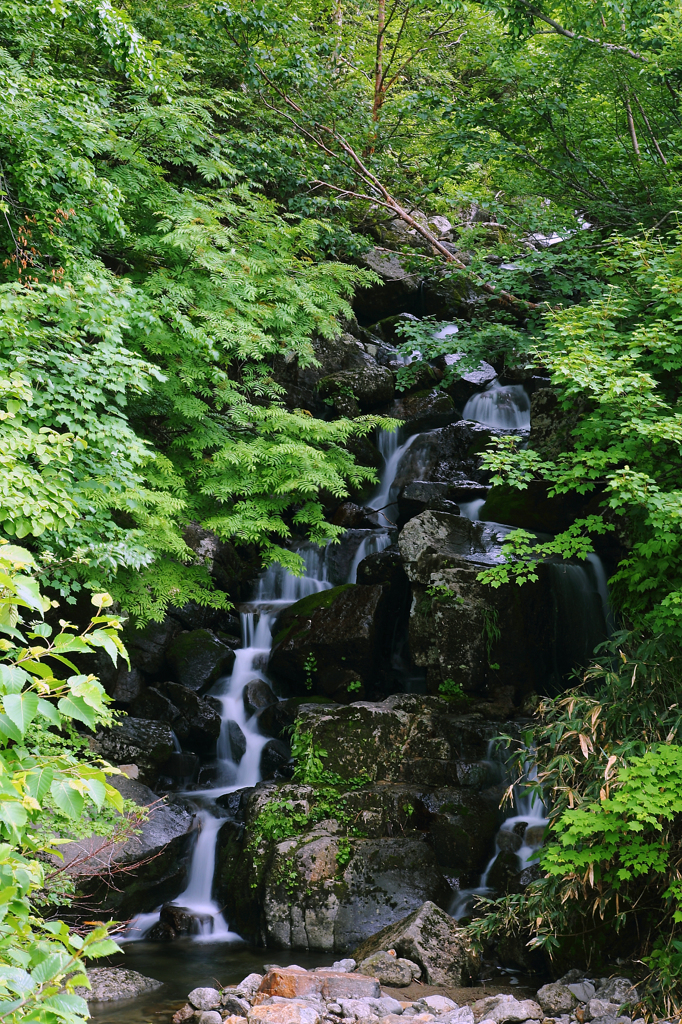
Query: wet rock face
[
  {"x": 483, "y": 639},
  {"x": 430, "y": 938},
  {"x": 257, "y": 696},
  {"x": 160, "y": 851},
  {"x": 449, "y": 454},
  {"x": 327, "y": 643},
  {"x": 398, "y": 291},
  {"x": 138, "y": 741},
  {"x": 390, "y": 969},
  {"x": 424, "y": 409},
  {"x": 344, "y": 352},
  {"x": 197, "y": 658},
  {"x": 370, "y": 386},
  {"x": 421, "y": 824}
]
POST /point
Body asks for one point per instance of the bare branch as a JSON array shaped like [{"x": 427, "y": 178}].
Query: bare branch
[{"x": 560, "y": 30}]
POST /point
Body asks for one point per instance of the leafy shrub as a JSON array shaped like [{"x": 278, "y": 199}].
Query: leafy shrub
[{"x": 43, "y": 784}]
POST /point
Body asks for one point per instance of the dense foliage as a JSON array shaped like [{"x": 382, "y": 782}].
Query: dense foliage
[{"x": 186, "y": 193}]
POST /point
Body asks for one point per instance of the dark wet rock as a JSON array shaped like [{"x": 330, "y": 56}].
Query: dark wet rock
[
  {"x": 327, "y": 643},
  {"x": 370, "y": 386},
  {"x": 556, "y": 999},
  {"x": 237, "y": 741},
  {"x": 175, "y": 921},
  {"x": 533, "y": 509},
  {"x": 155, "y": 705},
  {"x": 196, "y": 659},
  {"x": 419, "y": 495},
  {"x": 256, "y": 696},
  {"x": 382, "y": 567},
  {"x": 450, "y": 454},
  {"x": 397, "y": 292},
  {"x": 551, "y": 424},
  {"x": 352, "y": 516},
  {"x": 422, "y": 409},
  {"x": 433, "y": 940},
  {"x": 484, "y": 639},
  {"x": 147, "y": 647},
  {"x": 388, "y": 329},
  {"x": 181, "y": 767},
  {"x": 197, "y": 724},
  {"x": 468, "y": 490},
  {"x": 160, "y": 854},
  {"x": 343, "y": 352},
  {"x": 277, "y": 719},
  {"x": 108, "y": 984},
  {"x": 127, "y": 687},
  {"x": 504, "y": 873},
  {"x": 461, "y": 388},
  {"x": 275, "y": 755},
  {"x": 137, "y": 741}
]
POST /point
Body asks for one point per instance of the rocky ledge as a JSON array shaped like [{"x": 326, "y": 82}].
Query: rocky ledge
[{"x": 349, "y": 992}]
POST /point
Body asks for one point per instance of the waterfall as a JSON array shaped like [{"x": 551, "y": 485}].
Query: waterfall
[
  {"x": 471, "y": 509},
  {"x": 275, "y": 589},
  {"x": 522, "y": 833},
  {"x": 501, "y": 407},
  {"x": 384, "y": 500}
]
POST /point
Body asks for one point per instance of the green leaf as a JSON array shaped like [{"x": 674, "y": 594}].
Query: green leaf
[
  {"x": 50, "y": 967},
  {"x": 97, "y": 791},
  {"x": 67, "y": 1006},
  {"x": 103, "y": 948},
  {"x": 49, "y": 711},
  {"x": 21, "y": 708},
  {"x": 67, "y": 798},
  {"x": 9, "y": 730},
  {"x": 39, "y": 781},
  {"x": 75, "y": 707},
  {"x": 13, "y": 814}
]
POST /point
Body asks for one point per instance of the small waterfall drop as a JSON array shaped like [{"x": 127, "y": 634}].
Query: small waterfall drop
[
  {"x": 384, "y": 500},
  {"x": 503, "y": 407},
  {"x": 521, "y": 833}
]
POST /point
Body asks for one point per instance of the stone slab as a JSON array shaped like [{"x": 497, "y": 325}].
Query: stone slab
[{"x": 292, "y": 984}]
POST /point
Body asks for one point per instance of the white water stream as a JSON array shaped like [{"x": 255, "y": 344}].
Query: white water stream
[{"x": 504, "y": 407}]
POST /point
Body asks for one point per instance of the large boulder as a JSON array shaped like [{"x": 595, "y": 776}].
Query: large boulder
[
  {"x": 197, "y": 658},
  {"x": 147, "y": 647},
  {"x": 484, "y": 639},
  {"x": 370, "y": 386},
  {"x": 136, "y": 875},
  {"x": 398, "y": 290},
  {"x": 327, "y": 642},
  {"x": 449, "y": 454},
  {"x": 390, "y": 969},
  {"x": 343, "y": 352},
  {"x": 424, "y": 409},
  {"x": 428, "y": 816},
  {"x": 108, "y": 984},
  {"x": 145, "y": 743},
  {"x": 431, "y": 938}
]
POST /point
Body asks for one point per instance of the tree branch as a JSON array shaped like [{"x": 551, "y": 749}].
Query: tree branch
[{"x": 560, "y": 30}]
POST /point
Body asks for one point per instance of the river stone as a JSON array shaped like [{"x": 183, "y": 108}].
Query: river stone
[
  {"x": 284, "y": 1013},
  {"x": 601, "y": 1008},
  {"x": 582, "y": 990},
  {"x": 344, "y": 965},
  {"x": 462, "y": 1015},
  {"x": 147, "y": 647},
  {"x": 185, "y": 1012},
  {"x": 198, "y": 721},
  {"x": 204, "y": 998},
  {"x": 110, "y": 983},
  {"x": 247, "y": 988},
  {"x": 234, "y": 1005},
  {"x": 256, "y": 696},
  {"x": 292, "y": 983},
  {"x": 431, "y": 938},
  {"x": 435, "y": 1004},
  {"x": 502, "y": 1008},
  {"x": 329, "y": 641},
  {"x": 209, "y": 1017},
  {"x": 398, "y": 289},
  {"x": 237, "y": 740},
  {"x": 197, "y": 658},
  {"x": 390, "y": 970},
  {"x": 275, "y": 755},
  {"x": 618, "y": 990},
  {"x": 556, "y": 998}
]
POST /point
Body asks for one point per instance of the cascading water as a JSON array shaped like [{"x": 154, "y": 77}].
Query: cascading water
[
  {"x": 521, "y": 833},
  {"x": 276, "y": 588},
  {"x": 503, "y": 407},
  {"x": 384, "y": 499}
]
